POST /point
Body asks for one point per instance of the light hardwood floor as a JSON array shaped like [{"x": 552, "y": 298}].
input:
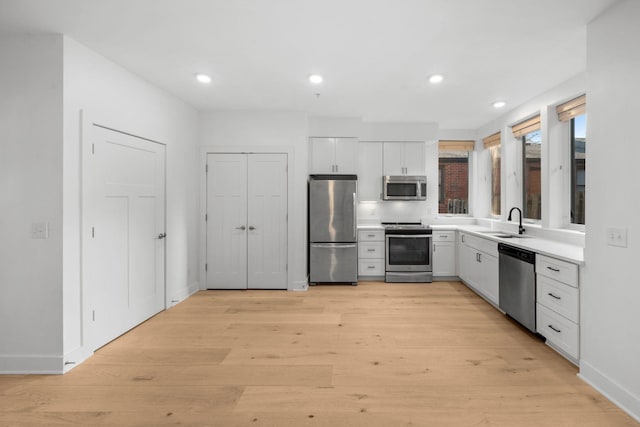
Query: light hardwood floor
[{"x": 373, "y": 355}]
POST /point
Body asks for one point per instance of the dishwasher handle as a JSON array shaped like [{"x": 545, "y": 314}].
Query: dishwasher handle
[{"x": 518, "y": 253}]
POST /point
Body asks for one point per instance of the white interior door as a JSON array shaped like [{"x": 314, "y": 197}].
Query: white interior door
[
  {"x": 124, "y": 250},
  {"x": 226, "y": 221},
  {"x": 267, "y": 221},
  {"x": 246, "y": 221}
]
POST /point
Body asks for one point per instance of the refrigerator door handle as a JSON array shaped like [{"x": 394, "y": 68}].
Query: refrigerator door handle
[
  {"x": 355, "y": 217},
  {"x": 333, "y": 245}
]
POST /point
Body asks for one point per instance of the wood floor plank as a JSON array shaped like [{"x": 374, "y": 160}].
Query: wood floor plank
[
  {"x": 121, "y": 397},
  {"x": 141, "y": 375},
  {"x": 372, "y": 355}
]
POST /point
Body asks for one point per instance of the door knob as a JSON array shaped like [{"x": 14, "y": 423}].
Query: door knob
[
  {"x": 162, "y": 235},
  {"x": 251, "y": 227},
  {"x": 242, "y": 227}
]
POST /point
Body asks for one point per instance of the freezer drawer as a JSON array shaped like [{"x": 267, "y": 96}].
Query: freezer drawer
[{"x": 333, "y": 263}]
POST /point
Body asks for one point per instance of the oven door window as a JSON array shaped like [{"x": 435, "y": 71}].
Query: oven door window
[
  {"x": 408, "y": 250},
  {"x": 402, "y": 189}
]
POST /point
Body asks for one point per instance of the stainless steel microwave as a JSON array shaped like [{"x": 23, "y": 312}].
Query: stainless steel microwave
[{"x": 404, "y": 187}]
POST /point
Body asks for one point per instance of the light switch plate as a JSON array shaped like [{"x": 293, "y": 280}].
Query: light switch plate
[
  {"x": 40, "y": 230},
  {"x": 617, "y": 237}
]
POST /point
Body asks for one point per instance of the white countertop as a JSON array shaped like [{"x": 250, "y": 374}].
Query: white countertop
[{"x": 563, "y": 251}]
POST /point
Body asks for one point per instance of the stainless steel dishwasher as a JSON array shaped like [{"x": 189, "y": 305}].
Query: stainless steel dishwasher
[{"x": 517, "y": 281}]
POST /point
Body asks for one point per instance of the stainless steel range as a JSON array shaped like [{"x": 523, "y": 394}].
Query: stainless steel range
[{"x": 409, "y": 252}]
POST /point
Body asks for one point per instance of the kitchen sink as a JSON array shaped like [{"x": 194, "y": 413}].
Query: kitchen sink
[{"x": 503, "y": 235}]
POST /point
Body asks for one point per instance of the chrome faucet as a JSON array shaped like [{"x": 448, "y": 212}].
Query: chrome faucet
[{"x": 520, "y": 227}]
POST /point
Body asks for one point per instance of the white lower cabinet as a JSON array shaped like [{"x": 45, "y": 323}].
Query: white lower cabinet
[
  {"x": 444, "y": 254},
  {"x": 371, "y": 253},
  {"x": 478, "y": 265},
  {"x": 557, "y": 308}
]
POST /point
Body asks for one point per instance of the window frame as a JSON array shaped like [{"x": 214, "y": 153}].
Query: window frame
[
  {"x": 523, "y": 189},
  {"x": 441, "y": 182},
  {"x": 572, "y": 182},
  {"x": 498, "y": 148}
]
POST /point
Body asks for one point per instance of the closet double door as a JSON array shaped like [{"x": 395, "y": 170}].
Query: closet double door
[{"x": 246, "y": 221}]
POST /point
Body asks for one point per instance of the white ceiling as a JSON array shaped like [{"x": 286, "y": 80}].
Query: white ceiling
[{"x": 375, "y": 55}]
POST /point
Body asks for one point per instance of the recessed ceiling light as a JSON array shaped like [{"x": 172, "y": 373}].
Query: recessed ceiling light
[
  {"x": 436, "y": 78},
  {"x": 499, "y": 104},
  {"x": 203, "y": 78},
  {"x": 316, "y": 79}
]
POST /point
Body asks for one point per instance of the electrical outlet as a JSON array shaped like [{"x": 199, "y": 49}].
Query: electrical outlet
[
  {"x": 617, "y": 237},
  {"x": 40, "y": 230}
]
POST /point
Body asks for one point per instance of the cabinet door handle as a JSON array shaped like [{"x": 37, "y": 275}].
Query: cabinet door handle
[
  {"x": 554, "y": 296},
  {"x": 336, "y": 168},
  {"x": 371, "y": 267},
  {"x": 557, "y": 270},
  {"x": 463, "y": 238},
  {"x": 371, "y": 235},
  {"x": 371, "y": 250},
  {"x": 434, "y": 248},
  {"x": 557, "y": 330}
]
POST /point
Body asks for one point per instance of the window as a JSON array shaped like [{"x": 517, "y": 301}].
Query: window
[
  {"x": 531, "y": 172},
  {"x": 529, "y": 133},
  {"x": 453, "y": 166},
  {"x": 574, "y": 111},
  {"x": 492, "y": 143},
  {"x": 578, "y": 151},
  {"x": 495, "y": 179}
]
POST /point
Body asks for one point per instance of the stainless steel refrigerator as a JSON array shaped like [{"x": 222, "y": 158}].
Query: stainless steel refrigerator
[{"x": 333, "y": 249}]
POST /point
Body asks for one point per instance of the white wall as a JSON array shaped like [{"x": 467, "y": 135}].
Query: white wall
[
  {"x": 30, "y": 191},
  {"x": 112, "y": 96},
  {"x": 610, "y": 342},
  {"x": 245, "y": 131},
  {"x": 335, "y": 127},
  {"x": 45, "y": 82}
]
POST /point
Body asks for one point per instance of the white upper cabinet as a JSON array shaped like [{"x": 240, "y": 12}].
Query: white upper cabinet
[
  {"x": 369, "y": 171},
  {"x": 414, "y": 161},
  {"x": 404, "y": 158},
  {"x": 334, "y": 155},
  {"x": 322, "y": 155}
]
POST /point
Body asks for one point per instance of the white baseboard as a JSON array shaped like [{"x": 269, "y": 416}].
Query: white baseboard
[
  {"x": 613, "y": 391},
  {"x": 31, "y": 364},
  {"x": 186, "y": 293},
  {"x": 75, "y": 357},
  {"x": 300, "y": 285}
]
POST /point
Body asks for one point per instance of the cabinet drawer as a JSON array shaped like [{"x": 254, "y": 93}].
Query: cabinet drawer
[
  {"x": 370, "y": 235},
  {"x": 444, "y": 236},
  {"x": 557, "y": 296},
  {"x": 558, "y": 270},
  {"x": 371, "y": 250},
  {"x": 371, "y": 267},
  {"x": 559, "y": 331}
]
